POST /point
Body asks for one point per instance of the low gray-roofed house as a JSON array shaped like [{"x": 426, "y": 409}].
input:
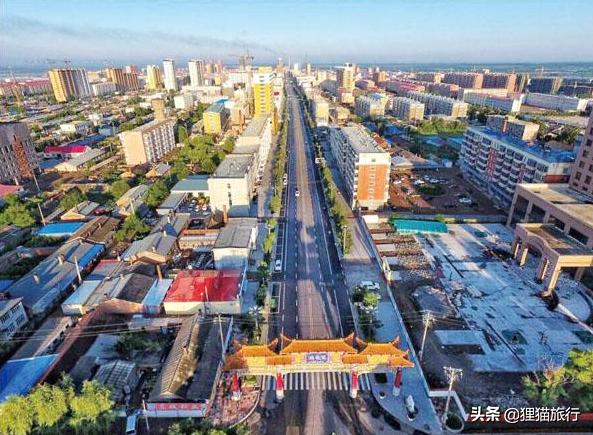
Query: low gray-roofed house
[
  {"x": 234, "y": 243},
  {"x": 122, "y": 376},
  {"x": 153, "y": 301},
  {"x": 194, "y": 185},
  {"x": 80, "y": 212},
  {"x": 53, "y": 276},
  {"x": 46, "y": 338},
  {"x": 161, "y": 244},
  {"x": 159, "y": 171},
  {"x": 171, "y": 204},
  {"x": 132, "y": 194},
  {"x": 81, "y": 161},
  {"x": 197, "y": 355},
  {"x": 180, "y": 364}
]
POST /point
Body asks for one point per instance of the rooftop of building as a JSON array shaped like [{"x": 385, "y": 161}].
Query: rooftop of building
[
  {"x": 155, "y": 123},
  {"x": 556, "y": 239},
  {"x": 192, "y": 183},
  {"x": 552, "y": 156},
  {"x": 216, "y": 107},
  {"x": 570, "y": 201},
  {"x": 236, "y": 233},
  {"x": 256, "y": 127},
  {"x": 234, "y": 166},
  {"x": 205, "y": 286},
  {"x": 60, "y": 229},
  {"x": 360, "y": 140}
]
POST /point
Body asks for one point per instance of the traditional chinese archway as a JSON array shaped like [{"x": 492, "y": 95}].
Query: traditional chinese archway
[{"x": 350, "y": 354}]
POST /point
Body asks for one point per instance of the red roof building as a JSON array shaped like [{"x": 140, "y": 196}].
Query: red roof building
[
  {"x": 205, "y": 292},
  {"x": 5, "y": 189},
  {"x": 65, "y": 151}
]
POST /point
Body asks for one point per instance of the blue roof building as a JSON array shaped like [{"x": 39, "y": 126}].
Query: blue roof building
[
  {"x": 60, "y": 229},
  {"x": 17, "y": 377}
]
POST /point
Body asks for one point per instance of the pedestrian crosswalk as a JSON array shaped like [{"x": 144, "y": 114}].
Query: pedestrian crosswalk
[{"x": 317, "y": 381}]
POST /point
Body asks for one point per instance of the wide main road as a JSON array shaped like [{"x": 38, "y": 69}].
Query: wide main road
[{"x": 313, "y": 301}]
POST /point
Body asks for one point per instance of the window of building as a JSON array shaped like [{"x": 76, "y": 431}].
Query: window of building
[
  {"x": 4, "y": 317},
  {"x": 581, "y": 164},
  {"x": 578, "y": 175},
  {"x": 578, "y": 236},
  {"x": 587, "y": 179}
]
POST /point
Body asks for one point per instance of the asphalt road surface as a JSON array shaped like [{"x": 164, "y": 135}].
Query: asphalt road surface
[{"x": 312, "y": 297}]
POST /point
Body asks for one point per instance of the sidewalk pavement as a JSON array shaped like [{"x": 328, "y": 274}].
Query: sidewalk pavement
[{"x": 361, "y": 264}]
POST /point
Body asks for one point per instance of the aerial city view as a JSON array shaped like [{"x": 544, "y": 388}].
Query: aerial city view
[{"x": 296, "y": 217}]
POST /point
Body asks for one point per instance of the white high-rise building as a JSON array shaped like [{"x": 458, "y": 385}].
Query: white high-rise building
[
  {"x": 196, "y": 73},
  {"x": 170, "y": 79}
]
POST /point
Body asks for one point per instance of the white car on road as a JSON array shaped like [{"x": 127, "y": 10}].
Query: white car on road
[
  {"x": 278, "y": 266},
  {"x": 297, "y": 193}
]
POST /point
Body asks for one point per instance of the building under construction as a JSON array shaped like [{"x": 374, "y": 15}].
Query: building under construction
[{"x": 18, "y": 159}]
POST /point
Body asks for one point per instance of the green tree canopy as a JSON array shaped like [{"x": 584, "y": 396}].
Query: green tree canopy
[
  {"x": 93, "y": 403},
  {"x": 228, "y": 146},
  {"x": 16, "y": 416},
  {"x": 275, "y": 204},
  {"x": 72, "y": 198},
  {"x": 132, "y": 228},
  {"x": 49, "y": 404},
  {"x": 156, "y": 194},
  {"x": 18, "y": 214},
  {"x": 118, "y": 188}
]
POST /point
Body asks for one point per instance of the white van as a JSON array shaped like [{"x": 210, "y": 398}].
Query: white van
[{"x": 131, "y": 424}]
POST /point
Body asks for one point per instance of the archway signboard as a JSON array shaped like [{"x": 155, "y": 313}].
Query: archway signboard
[{"x": 350, "y": 354}]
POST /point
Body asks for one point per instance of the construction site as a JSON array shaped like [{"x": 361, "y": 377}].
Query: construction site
[{"x": 487, "y": 314}]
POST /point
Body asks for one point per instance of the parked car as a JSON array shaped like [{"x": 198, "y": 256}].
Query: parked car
[
  {"x": 278, "y": 265},
  {"x": 371, "y": 285},
  {"x": 297, "y": 193}
]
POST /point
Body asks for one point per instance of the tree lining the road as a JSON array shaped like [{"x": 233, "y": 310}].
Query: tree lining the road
[
  {"x": 59, "y": 409},
  {"x": 280, "y": 166}
]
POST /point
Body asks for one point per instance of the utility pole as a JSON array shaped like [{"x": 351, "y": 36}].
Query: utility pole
[
  {"x": 453, "y": 374},
  {"x": 145, "y": 415},
  {"x": 41, "y": 213},
  {"x": 427, "y": 320},
  {"x": 221, "y": 336}
]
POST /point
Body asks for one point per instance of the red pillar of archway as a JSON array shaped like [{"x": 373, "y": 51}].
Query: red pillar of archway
[
  {"x": 397, "y": 382},
  {"x": 353, "y": 384},
  {"x": 279, "y": 386}
]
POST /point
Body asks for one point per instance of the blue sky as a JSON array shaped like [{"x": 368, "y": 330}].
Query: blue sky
[{"x": 416, "y": 31}]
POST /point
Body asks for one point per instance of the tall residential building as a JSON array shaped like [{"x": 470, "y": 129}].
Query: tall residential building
[
  {"x": 158, "y": 108},
  {"x": 280, "y": 66},
  {"x": 196, "y": 73},
  {"x": 263, "y": 93},
  {"x": 308, "y": 69},
  {"x": 133, "y": 69},
  {"x": 521, "y": 82},
  {"x": 438, "y": 105},
  {"x": 170, "y": 78},
  {"x": 231, "y": 185},
  {"x": 148, "y": 143},
  {"x": 67, "y": 83},
  {"x": 582, "y": 174},
  {"x": 257, "y": 139},
  {"x": 500, "y": 80},
  {"x": 321, "y": 111},
  {"x": 506, "y": 104},
  {"x": 153, "y": 77},
  {"x": 379, "y": 76},
  {"x": 371, "y": 106},
  {"x": 432, "y": 77},
  {"x": 556, "y": 102},
  {"x": 116, "y": 75},
  {"x": 464, "y": 79},
  {"x": 496, "y": 163},
  {"x": 545, "y": 85},
  {"x": 407, "y": 109},
  {"x": 17, "y": 153},
  {"x": 215, "y": 118},
  {"x": 516, "y": 128},
  {"x": 131, "y": 81},
  {"x": 345, "y": 76},
  {"x": 365, "y": 167},
  {"x": 103, "y": 88}
]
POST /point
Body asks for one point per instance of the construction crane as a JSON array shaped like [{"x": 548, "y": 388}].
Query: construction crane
[
  {"x": 244, "y": 60},
  {"x": 16, "y": 89}
]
